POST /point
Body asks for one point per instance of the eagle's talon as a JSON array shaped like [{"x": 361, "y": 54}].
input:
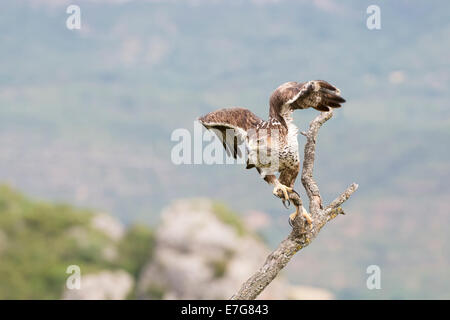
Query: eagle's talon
[
  {"x": 306, "y": 215},
  {"x": 284, "y": 203},
  {"x": 284, "y": 189},
  {"x": 290, "y": 222},
  {"x": 293, "y": 191},
  {"x": 294, "y": 215}
]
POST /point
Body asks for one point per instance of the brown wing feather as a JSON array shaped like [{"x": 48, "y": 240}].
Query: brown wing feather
[
  {"x": 236, "y": 121},
  {"x": 317, "y": 94}
]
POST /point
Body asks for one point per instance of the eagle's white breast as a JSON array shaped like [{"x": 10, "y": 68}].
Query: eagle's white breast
[
  {"x": 289, "y": 156},
  {"x": 277, "y": 155}
]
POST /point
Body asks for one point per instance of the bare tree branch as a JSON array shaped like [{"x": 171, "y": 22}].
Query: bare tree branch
[{"x": 302, "y": 233}]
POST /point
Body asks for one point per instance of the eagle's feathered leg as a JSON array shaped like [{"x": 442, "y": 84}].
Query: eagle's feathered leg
[
  {"x": 285, "y": 190},
  {"x": 287, "y": 177},
  {"x": 280, "y": 190}
]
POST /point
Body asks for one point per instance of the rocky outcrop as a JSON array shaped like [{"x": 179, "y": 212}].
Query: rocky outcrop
[
  {"x": 108, "y": 225},
  {"x": 202, "y": 252}
]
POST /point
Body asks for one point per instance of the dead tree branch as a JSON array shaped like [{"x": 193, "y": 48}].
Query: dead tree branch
[{"x": 302, "y": 233}]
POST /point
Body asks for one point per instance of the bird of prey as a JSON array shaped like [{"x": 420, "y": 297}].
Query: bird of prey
[{"x": 272, "y": 145}]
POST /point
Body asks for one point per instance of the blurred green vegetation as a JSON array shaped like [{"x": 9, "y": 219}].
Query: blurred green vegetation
[
  {"x": 38, "y": 241},
  {"x": 135, "y": 249}
]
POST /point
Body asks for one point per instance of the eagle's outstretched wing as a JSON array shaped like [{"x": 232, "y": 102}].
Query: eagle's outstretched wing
[
  {"x": 317, "y": 94},
  {"x": 231, "y": 126}
]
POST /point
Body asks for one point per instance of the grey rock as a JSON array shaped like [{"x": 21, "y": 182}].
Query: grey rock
[{"x": 198, "y": 256}]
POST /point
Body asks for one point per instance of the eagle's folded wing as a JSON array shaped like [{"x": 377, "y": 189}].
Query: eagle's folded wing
[
  {"x": 231, "y": 125},
  {"x": 317, "y": 94}
]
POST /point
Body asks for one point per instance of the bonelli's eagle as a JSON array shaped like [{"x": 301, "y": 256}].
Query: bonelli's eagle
[{"x": 272, "y": 144}]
